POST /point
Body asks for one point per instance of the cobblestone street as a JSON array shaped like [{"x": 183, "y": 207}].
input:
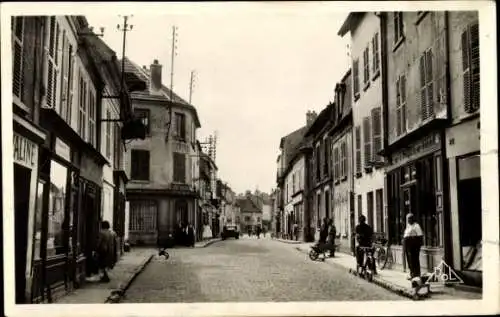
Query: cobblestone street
[{"x": 247, "y": 270}]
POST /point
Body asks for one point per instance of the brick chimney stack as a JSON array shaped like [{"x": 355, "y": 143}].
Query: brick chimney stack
[
  {"x": 155, "y": 84},
  {"x": 310, "y": 117}
]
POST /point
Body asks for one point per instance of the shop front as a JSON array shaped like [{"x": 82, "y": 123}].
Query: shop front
[
  {"x": 464, "y": 162},
  {"x": 27, "y": 139},
  {"x": 415, "y": 185},
  {"x": 67, "y": 211}
]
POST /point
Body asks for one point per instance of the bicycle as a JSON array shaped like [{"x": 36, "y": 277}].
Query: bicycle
[
  {"x": 383, "y": 254},
  {"x": 368, "y": 269}
]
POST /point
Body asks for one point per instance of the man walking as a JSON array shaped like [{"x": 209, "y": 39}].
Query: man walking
[
  {"x": 332, "y": 233},
  {"x": 106, "y": 250},
  {"x": 364, "y": 234}
]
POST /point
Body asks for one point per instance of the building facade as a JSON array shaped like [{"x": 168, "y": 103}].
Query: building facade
[
  {"x": 462, "y": 141},
  {"x": 160, "y": 191},
  {"x": 294, "y": 195},
  {"x": 365, "y": 32},
  {"x": 341, "y": 134},
  {"x": 416, "y": 114},
  {"x": 250, "y": 215}
]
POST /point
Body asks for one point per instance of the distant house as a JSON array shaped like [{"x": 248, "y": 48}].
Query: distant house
[{"x": 250, "y": 215}]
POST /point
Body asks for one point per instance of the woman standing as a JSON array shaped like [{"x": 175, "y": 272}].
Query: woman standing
[{"x": 413, "y": 239}]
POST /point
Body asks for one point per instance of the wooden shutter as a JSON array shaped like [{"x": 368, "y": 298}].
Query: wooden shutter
[
  {"x": 179, "y": 168},
  {"x": 183, "y": 127},
  {"x": 344, "y": 159},
  {"x": 377, "y": 131},
  {"x": 358, "y": 149},
  {"x": 355, "y": 71},
  {"x": 52, "y": 63},
  {"x": 423, "y": 92},
  {"x": 367, "y": 140},
  {"x": 396, "y": 27},
  {"x": 336, "y": 162},
  {"x": 375, "y": 53},
  {"x": 108, "y": 134},
  {"x": 144, "y": 165},
  {"x": 65, "y": 75},
  {"x": 17, "y": 46},
  {"x": 402, "y": 95},
  {"x": 474, "y": 45},
  {"x": 429, "y": 76},
  {"x": 399, "y": 129}
]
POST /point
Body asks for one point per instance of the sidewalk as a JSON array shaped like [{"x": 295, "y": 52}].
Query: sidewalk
[
  {"x": 122, "y": 275},
  {"x": 393, "y": 280},
  {"x": 206, "y": 243}
]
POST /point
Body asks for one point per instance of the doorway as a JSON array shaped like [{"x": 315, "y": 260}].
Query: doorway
[{"x": 22, "y": 180}]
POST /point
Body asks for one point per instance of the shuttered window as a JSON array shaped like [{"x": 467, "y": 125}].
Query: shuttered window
[
  {"x": 65, "y": 76},
  {"x": 53, "y": 63},
  {"x": 343, "y": 155},
  {"x": 398, "y": 26},
  {"x": 426, "y": 85},
  {"x": 179, "y": 167},
  {"x": 82, "y": 109},
  {"x": 355, "y": 78},
  {"x": 325, "y": 156},
  {"x": 375, "y": 53},
  {"x": 376, "y": 131},
  {"x": 318, "y": 163},
  {"x": 367, "y": 141},
  {"x": 140, "y": 165},
  {"x": 358, "y": 149},
  {"x": 17, "y": 25},
  {"x": 366, "y": 66},
  {"x": 71, "y": 65},
  {"x": 144, "y": 115},
  {"x": 180, "y": 126},
  {"x": 143, "y": 216},
  {"x": 108, "y": 134},
  {"x": 337, "y": 163},
  {"x": 401, "y": 105},
  {"x": 92, "y": 119},
  {"x": 470, "y": 65}
]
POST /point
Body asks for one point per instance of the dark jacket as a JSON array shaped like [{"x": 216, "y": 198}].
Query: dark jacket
[
  {"x": 364, "y": 235},
  {"x": 106, "y": 249}
]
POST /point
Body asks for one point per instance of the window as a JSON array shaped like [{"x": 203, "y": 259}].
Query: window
[
  {"x": 82, "y": 115},
  {"x": 470, "y": 66},
  {"x": 358, "y": 149},
  {"x": 336, "y": 163},
  {"x": 140, "y": 165},
  {"x": 179, "y": 167},
  {"x": 65, "y": 76},
  {"x": 426, "y": 85},
  {"x": 366, "y": 66},
  {"x": 376, "y": 131},
  {"x": 52, "y": 62},
  {"x": 401, "y": 105},
  {"x": 369, "y": 207},
  {"x": 69, "y": 103},
  {"x": 57, "y": 207},
  {"x": 143, "y": 216},
  {"x": 318, "y": 162},
  {"x": 326, "y": 158},
  {"x": 180, "y": 126},
  {"x": 343, "y": 155},
  {"x": 108, "y": 134},
  {"x": 40, "y": 202},
  {"x": 375, "y": 54},
  {"x": 17, "y": 54},
  {"x": 367, "y": 141},
  {"x": 92, "y": 118},
  {"x": 117, "y": 147},
  {"x": 398, "y": 27},
  {"x": 327, "y": 203},
  {"x": 355, "y": 78},
  {"x": 144, "y": 115},
  {"x": 379, "y": 210}
]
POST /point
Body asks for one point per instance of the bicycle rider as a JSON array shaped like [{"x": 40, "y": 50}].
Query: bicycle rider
[{"x": 364, "y": 236}]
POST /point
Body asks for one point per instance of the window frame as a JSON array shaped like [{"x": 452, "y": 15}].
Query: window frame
[
  {"x": 359, "y": 160},
  {"x": 398, "y": 29},
  {"x": 401, "y": 106},
  {"x": 82, "y": 108},
  {"x": 366, "y": 67},
  {"x": 52, "y": 59},
  {"x": 355, "y": 79},
  {"x": 427, "y": 87},
  {"x": 177, "y": 177},
  {"x": 376, "y": 56},
  {"x": 145, "y": 116},
  {"x": 108, "y": 134},
  {"x": 471, "y": 68},
  {"x": 376, "y": 137},
  {"x": 92, "y": 116},
  {"x": 180, "y": 129},
  {"x": 138, "y": 168},
  {"x": 17, "y": 38},
  {"x": 367, "y": 142}
]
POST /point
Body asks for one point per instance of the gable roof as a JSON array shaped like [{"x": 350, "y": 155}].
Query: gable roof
[
  {"x": 350, "y": 23},
  {"x": 165, "y": 93},
  {"x": 291, "y": 144},
  {"x": 247, "y": 205},
  {"x": 321, "y": 121}
]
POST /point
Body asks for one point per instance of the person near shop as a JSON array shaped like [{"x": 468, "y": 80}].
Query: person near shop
[
  {"x": 296, "y": 231},
  {"x": 106, "y": 250},
  {"x": 323, "y": 231},
  {"x": 413, "y": 239},
  {"x": 190, "y": 235},
  {"x": 330, "y": 240},
  {"x": 364, "y": 235}
]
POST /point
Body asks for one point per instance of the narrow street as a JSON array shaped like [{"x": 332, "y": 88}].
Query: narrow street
[{"x": 247, "y": 270}]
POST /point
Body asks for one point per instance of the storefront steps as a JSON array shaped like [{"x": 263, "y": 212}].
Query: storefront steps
[
  {"x": 394, "y": 280},
  {"x": 122, "y": 275}
]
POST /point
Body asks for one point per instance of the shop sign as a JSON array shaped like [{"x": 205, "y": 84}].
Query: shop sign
[
  {"x": 428, "y": 143},
  {"x": 25, "y": 151},
  {"x": 63, "y": 150}
]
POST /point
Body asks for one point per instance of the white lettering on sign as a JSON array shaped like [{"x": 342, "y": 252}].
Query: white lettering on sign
[
  {"x": 24, "y": 151},
  {"x": 63, "y": 150}
]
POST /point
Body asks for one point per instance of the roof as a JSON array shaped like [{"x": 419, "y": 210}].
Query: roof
[
  {"x": 165, "y": 93},
  {"x": 291, "y": 143},
  {"x": 247, "y": 205},
  {"x": 350, "y": 23},
  {"x": 321, "y": 121}
]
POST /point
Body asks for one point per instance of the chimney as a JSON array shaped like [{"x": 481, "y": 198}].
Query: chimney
[
  {"x": 310, "y": 117},
  {"x": 155, "y": 84}
]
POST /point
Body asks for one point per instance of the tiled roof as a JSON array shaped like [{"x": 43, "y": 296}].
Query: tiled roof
[
  {"x": 247, "y": 205},
  {"x": 291, "y": 143},
  {"x": 323, "y": 119}
]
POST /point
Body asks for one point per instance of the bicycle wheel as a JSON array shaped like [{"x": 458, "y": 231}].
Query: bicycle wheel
[
  {"x": 381, "y": 258},
  {"x": 388, "y": 258}
]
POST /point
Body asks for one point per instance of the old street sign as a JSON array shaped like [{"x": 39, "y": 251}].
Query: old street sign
[{"x": 25, "y": 151}]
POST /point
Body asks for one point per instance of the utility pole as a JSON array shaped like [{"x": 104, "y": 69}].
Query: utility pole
[
  {"x": 191, "y": 86},
  {"x": 125, "y": 28},
  {"x": 172, "y": 59}
]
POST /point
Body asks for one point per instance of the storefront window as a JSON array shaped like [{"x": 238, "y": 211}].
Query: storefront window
[
  {"x": 57, "y": 199},
  {"x": 38, "y": 221}
]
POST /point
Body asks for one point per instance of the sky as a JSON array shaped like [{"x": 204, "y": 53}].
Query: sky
[{"x": 258, "y": 71}]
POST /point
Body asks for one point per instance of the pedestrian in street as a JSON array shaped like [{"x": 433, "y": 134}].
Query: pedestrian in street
[
  {"x": 332, "y": 233},
  {"x": 178, "y": 234},
  {"x": 413, "y": 239},
  {"x": 190, "y": 235},
  {"x": 106, "y": 250},
  {"x": 258, "y": 232},
  {"x": 323, "y": 232},
  {"x": 296, "y": 231},
  {"x": 364, "y": 235}
]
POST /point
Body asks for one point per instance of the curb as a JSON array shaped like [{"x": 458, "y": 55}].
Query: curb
[
  {"x": 289, "y": 241},
  {"x": 377, "y": 281},
  {"x": 117, "y": 294},
  {"x": 209, "y": 243}
]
